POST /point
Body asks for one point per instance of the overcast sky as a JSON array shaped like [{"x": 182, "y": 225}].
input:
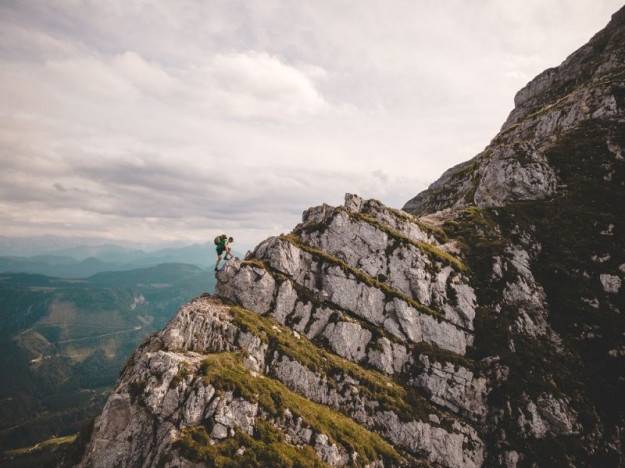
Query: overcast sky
[{"x": 159, "y": 121}]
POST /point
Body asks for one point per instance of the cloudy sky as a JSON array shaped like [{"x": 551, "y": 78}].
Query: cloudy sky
[{"x": 160, "y": 121}]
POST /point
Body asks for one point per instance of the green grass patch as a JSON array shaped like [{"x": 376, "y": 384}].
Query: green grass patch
[
  {"x": 182, "y": 374},
  {"x": 438, "y": 233},
  {"x": 373, "y": 384},
  {"x": 226, "y": 372},
  {"x": 265, "y": 448},
  {"x": 48, "y": 444},
  {"x": 430, "y": 249}
]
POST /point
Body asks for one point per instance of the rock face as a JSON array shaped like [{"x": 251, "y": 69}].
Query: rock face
[
  {"x": 584, "y": 89},
  {"x": 347, "y": 337},
  {"x": 540, "y": 215},
  {"x": 483, "y": 326}
]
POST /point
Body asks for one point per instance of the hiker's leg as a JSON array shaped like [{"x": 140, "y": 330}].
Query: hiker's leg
[{"x": 218, "y": 260}]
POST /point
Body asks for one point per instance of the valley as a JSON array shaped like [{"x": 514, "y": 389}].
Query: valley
[{"x": 64, "y": 341}]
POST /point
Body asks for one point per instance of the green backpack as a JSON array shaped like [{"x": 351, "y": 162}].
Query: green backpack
[{"x": 221, "y": 239}]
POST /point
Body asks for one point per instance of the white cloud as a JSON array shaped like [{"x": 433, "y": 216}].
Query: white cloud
[
  {"x": 256, "y": 84},
  {"x": 145, "y": 120},
  {"x": 146, "y": 76}
]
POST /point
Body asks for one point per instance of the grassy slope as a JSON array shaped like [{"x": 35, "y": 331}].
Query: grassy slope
[{"x": 226, "y": 372}]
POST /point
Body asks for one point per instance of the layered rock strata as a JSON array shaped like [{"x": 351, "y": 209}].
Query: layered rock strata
[{"x": 334, "y": 327}]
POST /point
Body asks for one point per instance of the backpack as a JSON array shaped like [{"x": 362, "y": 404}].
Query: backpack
[{"x": 220, "y": 239}]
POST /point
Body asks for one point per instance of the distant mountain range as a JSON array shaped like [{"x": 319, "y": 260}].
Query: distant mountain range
[
  {"x": 28, "y": 246},
  {"x": 86, "y": 260}
]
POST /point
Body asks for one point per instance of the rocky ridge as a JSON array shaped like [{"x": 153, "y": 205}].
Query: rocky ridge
[
  {"x": 585, "y": 88},
  {"x": 483, "y": 325},
  {"x": 336, "y": 327},
  {"x": 539, "y": 216}
]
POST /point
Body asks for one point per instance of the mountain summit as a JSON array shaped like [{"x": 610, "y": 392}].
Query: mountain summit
[
  {"x": 564, "y": 103},
  {"x": 482, "y": 326}
]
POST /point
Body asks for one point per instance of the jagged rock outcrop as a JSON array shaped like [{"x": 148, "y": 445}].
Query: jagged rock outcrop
[
  {"x": 483, "y": 326},
  {"x": 539, "y": 214},
  {"x": 330, "y": 325},
  {"x": 168, "y": 390},
  {"x": 585, "y": 88}
]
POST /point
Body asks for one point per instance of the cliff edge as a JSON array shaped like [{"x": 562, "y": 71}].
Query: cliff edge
[{"x": 482, "y": 326}]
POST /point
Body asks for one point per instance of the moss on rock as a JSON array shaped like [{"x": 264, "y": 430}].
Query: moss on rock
[
  {"x": 374, "y": 385},
  {"x": 361, "y": 276},
  {"x": 430, "y": 249},
  {"x": 266, "y": 447},
  {"x": 225, "y": 371}
]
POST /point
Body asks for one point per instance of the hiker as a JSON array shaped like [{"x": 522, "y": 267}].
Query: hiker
[{"x": 222, "y": 243}]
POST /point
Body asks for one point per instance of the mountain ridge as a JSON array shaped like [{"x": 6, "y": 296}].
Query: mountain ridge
[
  {"x": 512, "y": 167},
  {"x": 209, "y": 325},
  {"x": 84, "y": 261},
  {"x": 482, "y": 326}
]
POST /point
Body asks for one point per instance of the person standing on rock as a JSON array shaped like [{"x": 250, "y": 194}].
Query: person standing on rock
[{"x": 222, "y": 244}]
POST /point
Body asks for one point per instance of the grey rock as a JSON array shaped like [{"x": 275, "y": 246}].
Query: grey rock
[
  {"x": 505, "y": 178},
  {"x": 200, "y": 326},
  {"x": 285, "y": 302},
  {"x": 348, "y": 339},
  {"x": 219, "y": 431},
  {"x": 234, "y": 413},
  {"x": 250, "y": 286},
  {"x": 190, "y": 401},
  {"x": 610, "y": 283},
  {"x": 197, "y": 401},
  {"x": 319, "y": 320},
  {"x": 388, "y": 357},
  {"x": 511, "y": 459},
  {"x": 444, "y": 448},
  {"x": 329, "y": 452},
  {"x": 255, "y": 349},
  {"x": 408, "y": 435},
  {"x": 454, "y": 387},
  {"x": 548, "y": 416},
  {"x": 301, "y": 316},
  {"x": 409, "y": 269},
  {"x": 420, "y": 327}
]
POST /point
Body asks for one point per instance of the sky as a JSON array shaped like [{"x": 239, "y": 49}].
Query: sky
[{"x": 159, "y": 122}]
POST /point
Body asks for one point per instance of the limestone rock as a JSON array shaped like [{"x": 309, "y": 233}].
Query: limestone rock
[
  {"x": 513, "y": 167},
  {"x": 348, "y": 339},
  {"x": 548, "y": 415},
  {"x": 611, "y": 283},
  {"x": 453, "y": 387}
]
